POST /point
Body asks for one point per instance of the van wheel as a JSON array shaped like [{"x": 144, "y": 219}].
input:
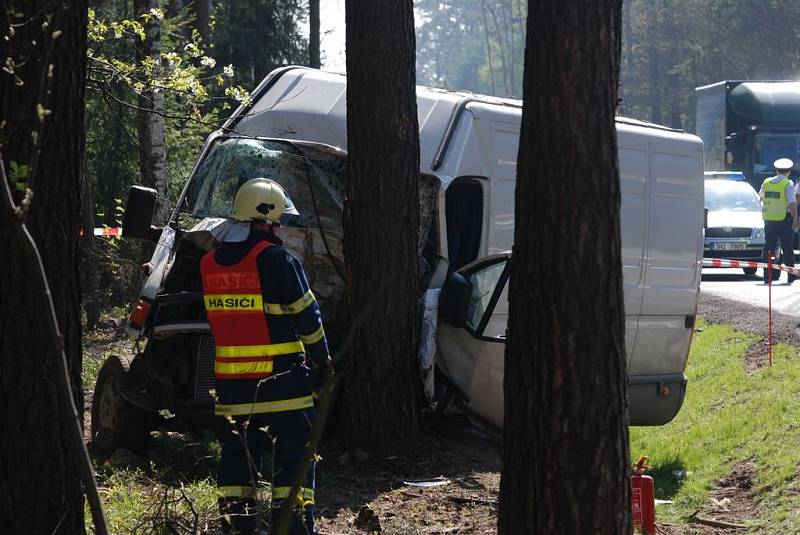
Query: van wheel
[
  {"x": 749, "y": 271},
  {"x": 116, "y": 422}
]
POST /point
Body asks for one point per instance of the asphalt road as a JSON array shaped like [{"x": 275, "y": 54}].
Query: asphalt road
[{"x": 733, "y": 285}]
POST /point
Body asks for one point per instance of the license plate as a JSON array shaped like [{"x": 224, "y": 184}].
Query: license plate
[{"x": 729, "y": 246}]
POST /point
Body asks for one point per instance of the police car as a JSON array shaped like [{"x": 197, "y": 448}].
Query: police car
[{"x": 735, "y": 229}]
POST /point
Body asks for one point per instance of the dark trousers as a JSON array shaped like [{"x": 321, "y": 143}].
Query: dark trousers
[
  {"x": 242, "y": 451},
  {"x": 779, "y": 230}
]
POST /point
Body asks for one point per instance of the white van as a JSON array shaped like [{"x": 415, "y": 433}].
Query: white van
[{"x": 468, "y": 153}]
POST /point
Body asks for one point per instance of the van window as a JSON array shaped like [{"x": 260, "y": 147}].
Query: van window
[
  {"x": 484, "y": 282},
  {"x": 464, "y": 217}
]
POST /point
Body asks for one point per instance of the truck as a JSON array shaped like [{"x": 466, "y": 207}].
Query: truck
[
  {"x": 747, "y": 125},
  {"x": 294, "y": 131}
]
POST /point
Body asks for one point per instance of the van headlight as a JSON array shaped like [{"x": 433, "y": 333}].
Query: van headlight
[{"x": 758, "y": 233}]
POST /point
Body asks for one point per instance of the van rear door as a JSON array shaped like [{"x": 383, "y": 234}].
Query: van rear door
[
  {"x": 674, "y": 249},
  {"x": 634, "y": 171}
]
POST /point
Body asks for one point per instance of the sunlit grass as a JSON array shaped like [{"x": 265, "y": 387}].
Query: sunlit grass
[{"x": 730, "y": 416}]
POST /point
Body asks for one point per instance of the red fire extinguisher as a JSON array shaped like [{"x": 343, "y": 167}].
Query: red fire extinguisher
[{"x": 643, "y": 500}]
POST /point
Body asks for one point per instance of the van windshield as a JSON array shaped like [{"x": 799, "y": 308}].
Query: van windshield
[{"x": 308, "y": 173}]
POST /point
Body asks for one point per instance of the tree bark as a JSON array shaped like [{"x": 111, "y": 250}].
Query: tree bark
[
  {"x": 381, "y": 221},
  {"x": 314, "y": 60},
  {"x": 565, "y": 447},
  {"x": 39, "y": 482},
  {"x": 150, "y": 124}
]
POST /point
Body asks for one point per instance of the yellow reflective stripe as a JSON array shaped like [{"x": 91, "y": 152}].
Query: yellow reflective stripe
[
  {"x": 282, "y": 493},
  {"x": 234, "y": 302},
  {"x": 314, "y": 337},
  {"x": 243, "y": 409},
  {"x": 293, "y": 308},
  {"x": 238, "y": 368},
  {"x": 232, "y": 491},
  {"x": 260, "y": 351}
]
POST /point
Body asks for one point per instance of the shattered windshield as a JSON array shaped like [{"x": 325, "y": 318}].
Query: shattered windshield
[{"x": 313, "y": 177}]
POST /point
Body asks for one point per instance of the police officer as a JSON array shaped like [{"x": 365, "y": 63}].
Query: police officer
[
  {"x": 779, "y": 210},
  {"x": 267, "y": 331}
]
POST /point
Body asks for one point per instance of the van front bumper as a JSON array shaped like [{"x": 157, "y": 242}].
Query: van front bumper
[{"x": 655, "y": 399}]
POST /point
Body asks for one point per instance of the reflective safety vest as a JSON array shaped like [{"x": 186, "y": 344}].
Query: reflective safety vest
[
  {"x": 235, "y": 308},
  {"x": 774, "y": 203}
]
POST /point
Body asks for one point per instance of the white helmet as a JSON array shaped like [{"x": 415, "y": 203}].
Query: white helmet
[
  {"x": 262, "y": 199},
  {"x": 783, "y": 164}
]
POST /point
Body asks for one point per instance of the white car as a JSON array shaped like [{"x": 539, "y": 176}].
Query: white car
[{"x": 735, "y": 229}]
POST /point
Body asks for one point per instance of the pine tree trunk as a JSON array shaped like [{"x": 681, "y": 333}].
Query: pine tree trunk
[
  {"x": 381, "y": 221},
  {"x": 565, "y": 447},
  {"x": 152, "y": 142},
  {"x": 313, "y": 35},
  {"x": 39, "y": 487}
]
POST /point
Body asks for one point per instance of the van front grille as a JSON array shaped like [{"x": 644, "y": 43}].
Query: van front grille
[{"x": 205, "y": 369}]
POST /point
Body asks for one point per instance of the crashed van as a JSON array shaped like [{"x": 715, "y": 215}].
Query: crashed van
[{"x": 294, "y": 131}]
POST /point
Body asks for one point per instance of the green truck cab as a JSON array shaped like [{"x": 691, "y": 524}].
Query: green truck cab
[{"x": 747, "y": 125}]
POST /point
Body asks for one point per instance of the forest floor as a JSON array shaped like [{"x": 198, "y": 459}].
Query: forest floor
[
  {"x": 446, "y": 482},
  {"x": 726, "y": 464}
]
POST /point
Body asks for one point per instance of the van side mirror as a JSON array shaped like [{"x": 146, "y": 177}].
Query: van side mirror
[
  {"x": 705, "y": 218},
  {"x": 454, "y": 301},
  {"x": 139, "y": 211}
]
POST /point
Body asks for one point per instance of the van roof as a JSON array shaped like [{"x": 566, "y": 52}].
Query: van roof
[{"x": 296, "y": 98}]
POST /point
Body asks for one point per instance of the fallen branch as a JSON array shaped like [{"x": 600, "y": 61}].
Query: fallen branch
[
  {"x": 715, "y": 523},
  {"x": 467, "y": 501}
]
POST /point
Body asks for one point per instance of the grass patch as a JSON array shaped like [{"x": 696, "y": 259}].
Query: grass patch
[
  {"x": 91, "y": 368},
  {"x": 98, "y": 345},
  {"x": 728, "y": 417},
  {"x": 173, "y": 491},
  {"x": 136, "y": 502}
]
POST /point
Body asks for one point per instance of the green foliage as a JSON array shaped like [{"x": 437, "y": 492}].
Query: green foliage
[
  {"x": 472, "y": 45},
  {"x": 669, "y": 47},
  {"x": 201, "y": 81},
  {"x": 730, "y": 416},
  {"x": 672, "y": 46},
  {"x": 258, "y": 36},
  {"x": 18, "y": 174}
]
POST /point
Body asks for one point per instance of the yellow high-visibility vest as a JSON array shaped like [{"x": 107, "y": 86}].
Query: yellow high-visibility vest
[{"x": 774, "y": 203}]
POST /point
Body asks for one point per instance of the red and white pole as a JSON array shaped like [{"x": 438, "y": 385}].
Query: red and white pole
[{"x": 769, "y": 307}]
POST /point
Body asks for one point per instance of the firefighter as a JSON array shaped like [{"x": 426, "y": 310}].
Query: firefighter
[
  {"x": 779, "y": 210},
  {"x": 271, "y": 353}
]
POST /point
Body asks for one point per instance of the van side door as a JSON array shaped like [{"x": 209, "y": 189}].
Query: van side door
[{"x": 472, "y": 352}]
